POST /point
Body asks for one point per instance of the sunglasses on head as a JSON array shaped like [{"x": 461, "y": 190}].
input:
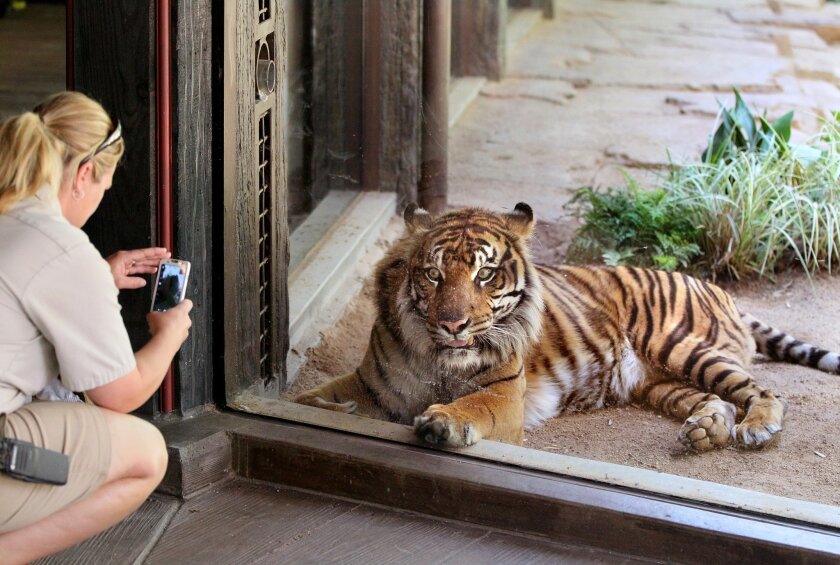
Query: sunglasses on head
[{"x": 114, "y": 137}]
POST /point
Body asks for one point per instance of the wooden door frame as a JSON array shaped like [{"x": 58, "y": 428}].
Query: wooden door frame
[
  {"x": 112, "y": 58},
  {"x": 245, "y": 341}
]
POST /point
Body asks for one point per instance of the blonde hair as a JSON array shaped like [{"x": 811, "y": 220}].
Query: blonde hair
[
  {"x": 36, "y": 147},
  {"x": 81, "y": 124},
  {"x": 30, "y": 157}
]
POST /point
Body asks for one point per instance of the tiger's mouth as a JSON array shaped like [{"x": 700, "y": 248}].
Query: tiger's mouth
[{"x": 465, "y": 343}]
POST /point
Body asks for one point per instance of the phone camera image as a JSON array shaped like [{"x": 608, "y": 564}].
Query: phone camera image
[{"x": 171, "y": 285}]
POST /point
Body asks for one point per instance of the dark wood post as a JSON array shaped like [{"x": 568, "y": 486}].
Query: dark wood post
[
  {"x": 392, "y": 97},
  {"x": 337, "y": 96},
  {"x": 547, "y": 6},
  {"x": 192, "y": 172},
  {"x": 113, "y": 62},
  {"x": 478, "y": 38},
  {"x": 431, "y": 193}
]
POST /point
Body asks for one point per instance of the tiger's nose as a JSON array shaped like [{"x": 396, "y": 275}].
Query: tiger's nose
[{"x": 455, "y": 327}]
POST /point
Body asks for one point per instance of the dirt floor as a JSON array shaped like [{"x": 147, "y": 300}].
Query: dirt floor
[{"x": 803, "y": 463}]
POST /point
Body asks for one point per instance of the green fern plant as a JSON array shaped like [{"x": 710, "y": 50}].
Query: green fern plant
[{"x": 633, "y": 227}]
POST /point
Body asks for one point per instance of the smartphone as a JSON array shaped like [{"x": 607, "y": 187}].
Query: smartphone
[{"x": 170, "y": 284}]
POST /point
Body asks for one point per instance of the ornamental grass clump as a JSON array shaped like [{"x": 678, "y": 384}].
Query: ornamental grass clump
[{"x": 761, "y": 211}]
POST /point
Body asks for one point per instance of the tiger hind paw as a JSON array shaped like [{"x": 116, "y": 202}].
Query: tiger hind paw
[
  {"x": 709, "y": 426},
  {"x": 311, "y": 399},
  {"x": 761, "y": 425}
]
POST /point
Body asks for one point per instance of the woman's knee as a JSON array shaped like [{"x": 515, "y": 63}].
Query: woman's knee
[
  {"x": 158, "y": 455},
  {"x": 138, "y": 449}
]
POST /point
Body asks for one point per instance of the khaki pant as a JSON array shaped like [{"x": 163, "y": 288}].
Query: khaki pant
[{"x": 73, "y": 428}]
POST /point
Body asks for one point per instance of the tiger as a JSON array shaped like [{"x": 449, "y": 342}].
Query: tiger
[{"x": 473, "y": 340}]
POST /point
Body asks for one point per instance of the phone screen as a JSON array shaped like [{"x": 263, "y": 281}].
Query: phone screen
[{"x": 170, "y": 286}]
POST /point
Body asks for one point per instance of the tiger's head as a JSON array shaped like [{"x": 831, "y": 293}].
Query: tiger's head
[{"x": 469, "y": 297}]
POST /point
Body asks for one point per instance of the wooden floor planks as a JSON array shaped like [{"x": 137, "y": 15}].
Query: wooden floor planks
[
  {"x": 127, "y": 542},
  {"x": 241, "y": 522}
]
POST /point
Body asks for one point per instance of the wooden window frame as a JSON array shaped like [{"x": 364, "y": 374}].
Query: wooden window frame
[
  {"x": 398, "y": 471},
  {"x": 492, "y": 484}
]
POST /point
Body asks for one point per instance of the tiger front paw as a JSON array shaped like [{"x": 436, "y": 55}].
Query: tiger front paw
[
  {"x": 710, "y": 426},
  {"x": 436, "y": 425},
  {"x": 312, "y": 398}
]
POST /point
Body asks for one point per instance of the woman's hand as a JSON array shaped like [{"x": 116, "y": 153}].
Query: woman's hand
[
  {"x": 169, "y": 330},
  {"x": 174, "y": 323},
  {"x": 126, "y": 264}
]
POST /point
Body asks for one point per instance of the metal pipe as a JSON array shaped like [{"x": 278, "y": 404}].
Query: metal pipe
[
  {"x": 432, "y": 188},
  {"x": 164, "y": 156}
]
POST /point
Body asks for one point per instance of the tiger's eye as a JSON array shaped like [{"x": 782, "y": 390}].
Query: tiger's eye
[
  {"x": 485, "y": 273},
  {"x": 433, "y": 274}
]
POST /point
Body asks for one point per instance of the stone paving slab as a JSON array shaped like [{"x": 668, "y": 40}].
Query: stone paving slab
[
  {"x": 787, "y": 38},
  {"x": 811, "y": 4},
  {"x": 552, "y": 91},
  {"x": 612, "y": 86},
  {"x": 648, "y": 44},
  {"x": 688, "y": 68},
  {"x": 699, "y": 20},
  {"x": 826, "y": 22},
  {"x": 817, "y": 64}
]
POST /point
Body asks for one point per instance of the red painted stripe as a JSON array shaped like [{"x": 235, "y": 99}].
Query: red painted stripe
[{"x": 164, "y": 157}]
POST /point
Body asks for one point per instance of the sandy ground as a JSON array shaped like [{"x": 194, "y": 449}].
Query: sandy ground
[
  {"x": 803, "y": 463},
  {"x": 612, "y": 86}
]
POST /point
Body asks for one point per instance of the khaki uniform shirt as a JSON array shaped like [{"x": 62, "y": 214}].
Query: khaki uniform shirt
[{"x": 58, "y": 306}]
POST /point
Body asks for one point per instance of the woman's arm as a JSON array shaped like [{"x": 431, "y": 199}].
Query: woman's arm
[
  {"x": 126, "y": 265},
  {"x": 169, "y": 330}
]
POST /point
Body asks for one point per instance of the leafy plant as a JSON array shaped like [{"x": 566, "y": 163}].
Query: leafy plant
[
  {"x": 633, "y": 227},
  {"x": 738, "y": 132}
]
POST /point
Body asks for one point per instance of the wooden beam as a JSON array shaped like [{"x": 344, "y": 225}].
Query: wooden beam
[
  {"x": 392, "y": 97},
  {"x": 337, "y": 96},
  {"x": 279, "y": 303},
  {"x": 453, "y": 486},
  {"x": 478, "y": 38}
]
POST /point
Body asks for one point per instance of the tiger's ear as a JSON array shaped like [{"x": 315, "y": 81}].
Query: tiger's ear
[
  {"x": 521, "y": 220},
  {"x": 416, "y": 218}
]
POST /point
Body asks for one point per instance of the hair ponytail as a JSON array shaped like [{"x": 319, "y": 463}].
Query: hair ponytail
[
  {"x": 30, "y": 157},
  {"x": 81, "y": 124}
]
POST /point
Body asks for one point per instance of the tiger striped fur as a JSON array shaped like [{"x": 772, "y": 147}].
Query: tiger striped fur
[{"x": 473, "y": 340}]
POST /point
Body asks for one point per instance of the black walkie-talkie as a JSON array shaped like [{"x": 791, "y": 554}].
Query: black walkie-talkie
[{"x": 26, "y": 461}]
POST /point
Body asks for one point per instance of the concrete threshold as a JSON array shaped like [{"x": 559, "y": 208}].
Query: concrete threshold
[
  {"x": 519, "y": 25},
  {"x": 323, "y": 282},
  {"x": 462, "y": 91}
]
